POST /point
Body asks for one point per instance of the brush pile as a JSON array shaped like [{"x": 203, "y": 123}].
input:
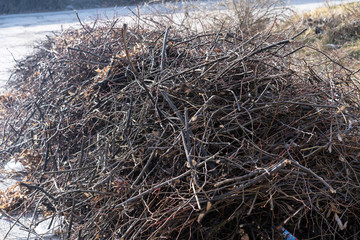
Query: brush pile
[{"x": 166, "y": 133}]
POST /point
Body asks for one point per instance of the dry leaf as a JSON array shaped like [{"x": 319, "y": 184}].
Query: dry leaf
[
  {"x": 245, "y": 237},
  {"x": 340, "y": 137},
  {"x": 334, "y": 208},
  {"x": 208, "y": 206},
  {"x": 339, "y": 222},
  {"x": 340, "y": 109},
  {"x": 201, "y": 216},
  {"x": 342, "y": 158}
]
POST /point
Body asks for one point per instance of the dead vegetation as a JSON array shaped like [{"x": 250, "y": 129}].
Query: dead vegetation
[
  {"x": 149, "y": 132},
  {"x": 334, "y": 29}
]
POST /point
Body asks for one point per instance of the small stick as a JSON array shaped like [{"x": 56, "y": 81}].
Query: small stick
[
  {"x": 38, "y": 188},
  {"x": 308, "y": 170},
  {"x": 162, "y": 184},
  {"x": 82, "y": 152},
  {"x": 129, "y": 116},
  {"x": 68, "y": 171},
  {"x": 82, "y": 25},
  {"x": 292, "y": 215},
  {"x": 144, "y": 168},
  {"x": 235, "y": 179},
  {"x": 253, "y": 203},
  {"x": 71, "y": 218},
  {"x": 124, "y": 29},
  {"x": 172, "y": 105},
  {"x": 88, "y": 52},
  {"x": 271, "y": 170},
  {"x": 328, "y": 57},
  {"x": 163, "y": 52},
  {"x": 195, "y": 193},
  {"x": 202, "y": 108},
  {"x": 188, "y": 157}
]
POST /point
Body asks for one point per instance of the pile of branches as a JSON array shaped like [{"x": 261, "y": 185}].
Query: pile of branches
[{"x": 136, "y": 133}]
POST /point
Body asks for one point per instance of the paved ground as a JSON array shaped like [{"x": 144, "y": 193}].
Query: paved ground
[{"x": 31, "y": 6}]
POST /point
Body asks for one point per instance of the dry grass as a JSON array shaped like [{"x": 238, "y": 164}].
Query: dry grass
[{"x": 334, "y": 29}]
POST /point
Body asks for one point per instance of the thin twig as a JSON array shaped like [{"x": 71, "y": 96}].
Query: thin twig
[{"x": 163, "y": 51}]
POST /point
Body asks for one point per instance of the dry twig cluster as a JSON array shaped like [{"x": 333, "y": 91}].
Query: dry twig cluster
[{"x": 165, "y": 133}]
